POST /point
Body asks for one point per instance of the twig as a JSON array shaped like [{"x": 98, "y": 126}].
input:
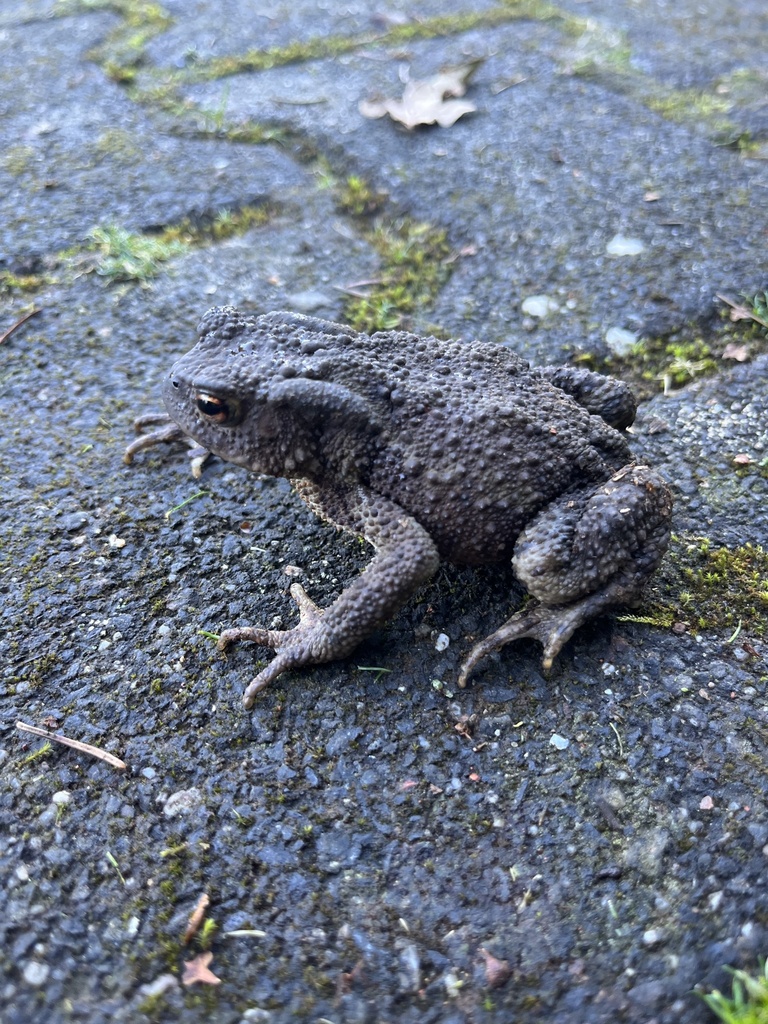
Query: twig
[
  {"x": 85, "y": 748},
  {"x": 18, "y": 323},
  {"x": 359, "y": 284},
  {"x": 352, "y": 291},
  {"x": 739, "y": 312}
]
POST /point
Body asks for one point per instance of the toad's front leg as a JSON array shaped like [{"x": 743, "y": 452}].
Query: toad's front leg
[
  {"x": 405, "y": 558},
  {"x": 584, "y": 555}
]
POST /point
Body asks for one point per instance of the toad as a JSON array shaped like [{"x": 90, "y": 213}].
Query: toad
[{"x": 428, "y": 450}]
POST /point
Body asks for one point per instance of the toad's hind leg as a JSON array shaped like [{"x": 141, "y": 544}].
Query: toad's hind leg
[{"x": 583, "y": 555}]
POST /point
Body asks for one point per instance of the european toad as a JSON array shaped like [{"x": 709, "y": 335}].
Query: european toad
[{"x": 429, "y": 450}]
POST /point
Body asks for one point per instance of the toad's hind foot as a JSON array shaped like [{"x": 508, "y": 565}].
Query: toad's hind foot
[{"x": 552, "y": 627}]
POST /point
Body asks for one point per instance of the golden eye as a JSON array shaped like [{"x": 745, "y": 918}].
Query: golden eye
[{"x": 219, "y": 410}]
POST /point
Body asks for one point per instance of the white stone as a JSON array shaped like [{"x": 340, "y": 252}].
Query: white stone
[
  {"x": 623, "y": 245},
  {"x": 620, "y": 341},
  {"x": 539, "y": 306},
  {"x": 35, "y": 973}
]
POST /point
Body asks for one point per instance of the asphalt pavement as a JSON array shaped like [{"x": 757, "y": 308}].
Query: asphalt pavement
[{"x": 369, "y": 843}]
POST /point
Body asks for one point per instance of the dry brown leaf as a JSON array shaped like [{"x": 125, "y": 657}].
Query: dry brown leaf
[
  {"x": 197, "y": 970},
  {"x": 196, "y": 918},
  {"x": 738, "y": 352},
  {"x": 429, "y": 100},
  {"x": 497, "y": 972}
]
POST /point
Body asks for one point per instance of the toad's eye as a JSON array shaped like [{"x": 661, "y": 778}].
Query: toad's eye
[{"x": 218, "y": 410}]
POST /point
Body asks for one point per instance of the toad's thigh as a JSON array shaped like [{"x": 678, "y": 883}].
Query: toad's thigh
[{"x": 615, "y": 532}]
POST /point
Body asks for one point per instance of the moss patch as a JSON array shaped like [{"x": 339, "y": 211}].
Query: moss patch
[
  {"x": 10, "y": 282},
  {"x": 121, "y": 255},
  {"x": 748, "y": 1003},
  {"x": 669, "y": 362},
  {"x": 414, "y": 268},
  {"x": 696, "y": 107},
  {"x": 325, "y": 47},
  {"x": 710, "y": 588},
  {"x": 122, "y": 51},
  {"x": 16, "y": 160}
]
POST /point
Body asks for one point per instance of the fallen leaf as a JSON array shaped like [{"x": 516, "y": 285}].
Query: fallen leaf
[
  {"x": 196, "y": 970},
  {"x": 462, "y": 727},
  {"x": 496, "y": 971},
  {"x": 196, "y": 918},
  {"x": 742, "y": 459},
  {"x": 738, "y": 352},
  {"x": 428, "y": 100}
]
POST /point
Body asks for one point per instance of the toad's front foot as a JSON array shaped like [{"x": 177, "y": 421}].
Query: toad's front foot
[
  {"x": 306, "y": 644},
  {"x": 166, "y": 432}
]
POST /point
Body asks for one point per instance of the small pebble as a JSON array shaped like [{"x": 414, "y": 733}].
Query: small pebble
[
  {"x": 309, "y": 301},
  {"x": 183, "y": 801},
  {"x": 620, "y": 341},
  {"x": 622, "y": 245},
  {"x": 559, "y": 742},
  {"x": 35, "y": 973},
  {"x": 539, "y": 306}
]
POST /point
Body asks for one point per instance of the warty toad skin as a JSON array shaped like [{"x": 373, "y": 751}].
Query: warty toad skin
[{"x": 429, "y": 450}]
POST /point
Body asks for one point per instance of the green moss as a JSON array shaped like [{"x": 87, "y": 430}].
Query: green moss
[
  {"x": 119, "y": 144},
  {"x": 35, "y": 755},
  {"x": 358, "y": 198},
  {"x": 711, "y": 588},
  {"x": 325, "y": 47},
  {"x": 122, "y": 255},
  {"x": 153, "y": 1006},
  {"x": 759, "y": 304},
  {"x": 318, "y": 980},
  {"x": 684, "y": 105},
  {"x": 40, "y": 668},
  {"x": 17, "y": 159},
  {"x": 748, "y": 1003},
  {"x": 207, "y": 932},
  {"x": 660, "y": 363},
  {"x": 10, "y": 282},
  {"x": 225, "y": 224},
  {"x": 414, "y": 268},
  {"x": 122, "y": 51},
  {"x": 168, "y": 889}
]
